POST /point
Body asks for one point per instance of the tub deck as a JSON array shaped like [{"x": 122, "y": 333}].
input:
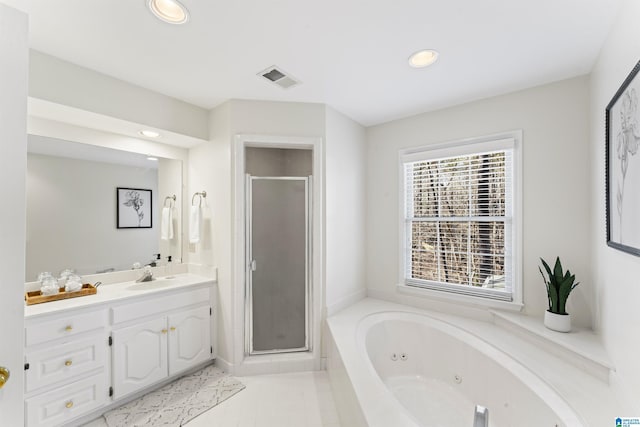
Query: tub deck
[{"x": 361, "y": 403}]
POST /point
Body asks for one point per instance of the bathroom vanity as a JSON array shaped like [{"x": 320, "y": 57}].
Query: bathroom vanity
[{"x": 88, "y": 353}]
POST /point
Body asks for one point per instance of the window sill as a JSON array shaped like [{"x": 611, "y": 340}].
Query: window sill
[{"x": 459, "y": 298}]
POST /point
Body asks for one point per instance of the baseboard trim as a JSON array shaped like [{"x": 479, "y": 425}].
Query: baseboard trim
[{"x": 225, "y": 365}]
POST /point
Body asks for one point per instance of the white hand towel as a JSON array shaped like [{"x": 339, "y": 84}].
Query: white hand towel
[
  {"x": 166, "y": 224},
  {"x": 195, "y": 221}
]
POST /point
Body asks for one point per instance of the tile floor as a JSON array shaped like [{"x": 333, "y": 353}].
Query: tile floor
[{"x": 302, "y": 399}]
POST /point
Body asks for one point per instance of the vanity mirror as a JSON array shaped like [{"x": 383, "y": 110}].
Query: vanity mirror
[{"x": 72, "y": 217}]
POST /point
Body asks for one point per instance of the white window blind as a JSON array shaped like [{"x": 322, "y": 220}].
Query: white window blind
[{"x": 458, "y": 221}]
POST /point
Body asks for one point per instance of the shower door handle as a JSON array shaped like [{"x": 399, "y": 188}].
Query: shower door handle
[{"x": 253, "y": 265}]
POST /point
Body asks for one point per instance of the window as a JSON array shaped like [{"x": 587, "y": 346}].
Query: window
[{"x": 459, "y": 226}]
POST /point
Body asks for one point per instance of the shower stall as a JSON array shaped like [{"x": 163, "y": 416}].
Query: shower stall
[{"x": 278, "y": 247}]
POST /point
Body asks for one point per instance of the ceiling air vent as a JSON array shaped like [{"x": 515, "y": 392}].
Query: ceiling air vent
[{"x": 279, "y": 77}]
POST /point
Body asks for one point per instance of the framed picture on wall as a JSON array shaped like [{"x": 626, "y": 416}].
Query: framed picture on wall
[
  {"x": 623, "y": 166},
  {"x": 133, "y": 208}
]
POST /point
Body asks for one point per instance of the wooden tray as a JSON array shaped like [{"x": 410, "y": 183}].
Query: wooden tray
[{"x": 36, "y": 297}]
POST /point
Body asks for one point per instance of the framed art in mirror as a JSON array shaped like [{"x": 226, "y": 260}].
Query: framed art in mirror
[
  {"x": 134, "y": 208},
  {"x": 623, "y": 166}
]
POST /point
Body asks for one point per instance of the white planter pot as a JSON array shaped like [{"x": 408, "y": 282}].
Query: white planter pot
[{"x": 557, "y": 322}]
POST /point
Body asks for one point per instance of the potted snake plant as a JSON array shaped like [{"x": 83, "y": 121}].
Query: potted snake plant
[{"x": 559, "y": 286}]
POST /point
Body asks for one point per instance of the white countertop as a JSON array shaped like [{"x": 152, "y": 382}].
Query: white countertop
[{"x": 108, "y": 293}]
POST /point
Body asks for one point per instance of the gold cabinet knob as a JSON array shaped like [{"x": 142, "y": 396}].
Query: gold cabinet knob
[
  {"x": 164, "y": 331},
  {"x": 173, "y": 328},
  {"x": 68, "y": 328},
  {"x": 4, "y": 376},
  {"x": 69, "y": 404},
  {"x": 68, "y": 363}
]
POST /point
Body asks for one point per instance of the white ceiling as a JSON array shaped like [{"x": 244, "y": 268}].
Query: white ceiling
[{"x": 350, "y": 54}]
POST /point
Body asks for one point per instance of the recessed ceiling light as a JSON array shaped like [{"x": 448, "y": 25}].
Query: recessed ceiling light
[
  {"x": 153, "y": 159},
  {"x": 170, "y": 11},
  {"x": 423, "y": 58},
  {"x": 149, "y": 133}
]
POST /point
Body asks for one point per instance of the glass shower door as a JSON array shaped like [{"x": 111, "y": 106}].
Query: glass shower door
[{"x": 278, "y": 264}]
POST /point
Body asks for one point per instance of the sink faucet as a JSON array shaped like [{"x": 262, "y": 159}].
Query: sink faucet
[{"x": 147, "y": 275}]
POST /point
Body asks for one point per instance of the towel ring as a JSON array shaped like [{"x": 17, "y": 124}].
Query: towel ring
[
  {"x": 202, "y": 194},
  {"x": 171, "y": 200}
]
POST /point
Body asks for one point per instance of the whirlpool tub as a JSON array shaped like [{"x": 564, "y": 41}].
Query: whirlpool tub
[{"x": 410, "y": 369}]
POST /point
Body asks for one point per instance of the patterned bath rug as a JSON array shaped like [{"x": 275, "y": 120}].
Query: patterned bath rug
[{"x": 177, "y": 403}]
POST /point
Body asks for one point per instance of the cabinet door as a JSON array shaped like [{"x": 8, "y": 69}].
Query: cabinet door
[
  {"x": 189, "y": 339},
  {"x": 139, "y": 356}
]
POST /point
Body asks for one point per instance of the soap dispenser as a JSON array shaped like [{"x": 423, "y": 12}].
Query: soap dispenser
[{"x": 169, "y": 268}]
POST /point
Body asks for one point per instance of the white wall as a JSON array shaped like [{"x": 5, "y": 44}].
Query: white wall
[
  {"x": 13, "y": 165},
  {"x": 71, "y": 216},
  {"x": 54, "y": 80},
  {"x": 211, "y": 169},
  {"x": 556, "y": 172},
  {"x": 276, "y": 118},
  {"x": 615, "y": 274},
  {"x": 169, "y": 184},
  {"x": 345, "y": 207}
]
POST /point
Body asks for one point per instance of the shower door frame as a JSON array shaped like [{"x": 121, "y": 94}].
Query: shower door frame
[
  {"x": 249, "y": 262},
  {"x": 232, "y": 354}
]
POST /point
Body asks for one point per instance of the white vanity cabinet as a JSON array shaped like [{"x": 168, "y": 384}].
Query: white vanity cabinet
[
  {"x": 83, "y": 355},
  {"x": 65, "y": 366},
  {"x": 150, "y": 347}
]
